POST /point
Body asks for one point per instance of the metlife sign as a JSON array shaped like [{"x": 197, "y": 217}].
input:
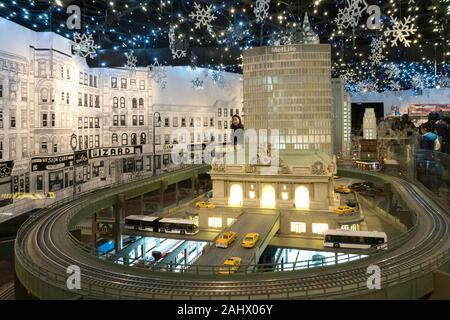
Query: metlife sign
[{"x": 113, "y": 152}]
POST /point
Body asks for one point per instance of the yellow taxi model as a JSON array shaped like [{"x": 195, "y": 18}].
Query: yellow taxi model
[
  {"x": 336, "y": 177},
  {"x": 344, "y": 210},
  {"x": 250, "y": 240},
  {"x": 226, "y": 239},
  {"x": 343, "y": 189},
  {"x": 230, "y": 266},
  {"x": 205, "y": 204}
]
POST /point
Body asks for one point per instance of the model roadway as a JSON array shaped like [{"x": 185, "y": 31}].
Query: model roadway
[{"x": 44, "y": 250}]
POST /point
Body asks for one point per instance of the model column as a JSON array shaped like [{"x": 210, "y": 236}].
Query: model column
[{"x": 118, "y": 213}]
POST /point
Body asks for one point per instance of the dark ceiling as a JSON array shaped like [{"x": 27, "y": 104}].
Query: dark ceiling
[{"x": 118, "y": 26}]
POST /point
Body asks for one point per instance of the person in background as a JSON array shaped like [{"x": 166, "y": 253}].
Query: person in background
[
  {"x": 427, "y": 138},
  {"x": 237, "y": 135},
  {"x": 433, "y": 117},
  {"x": 406, "y": 123}
]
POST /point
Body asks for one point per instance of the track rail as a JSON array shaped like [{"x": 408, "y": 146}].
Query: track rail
[
  {"x": 45, "y": 249},
  {"x": 7, "y": 292}
]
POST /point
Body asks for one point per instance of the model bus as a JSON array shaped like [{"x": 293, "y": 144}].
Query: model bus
[
  {"x": 140, "y": 222},
  {"x": 354, "y": 239},
  {"x": 157, "y": 224},
  {"x": 178, "y": 225}
]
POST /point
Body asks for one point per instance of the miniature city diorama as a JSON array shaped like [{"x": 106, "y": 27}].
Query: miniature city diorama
[{"x": 289, "y": 149}]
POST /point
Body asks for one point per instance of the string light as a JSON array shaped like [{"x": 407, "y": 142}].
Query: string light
[{"x": 144, "y": 25}]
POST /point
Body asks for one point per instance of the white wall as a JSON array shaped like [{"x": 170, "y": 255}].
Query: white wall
[
  {"x": 403, "y": 99},
  {"x": 16, "y": 39},
  {"x": 179, "y": 89}
]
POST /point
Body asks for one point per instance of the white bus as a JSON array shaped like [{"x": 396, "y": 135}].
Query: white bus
[
  {"x": 140, "y": 222},
  {"x": 354, "y": 239},
  {"x": 178, "y": 225}
]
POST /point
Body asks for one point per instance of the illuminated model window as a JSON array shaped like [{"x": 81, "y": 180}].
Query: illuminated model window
[
  {"x": 268, "y": 197},
  {"x": 236, "y": 196},
  {"x": 285, "y": 194},
  {"x": 319, "y": 228},
  {"x": 214, "y": 222},
  {"x": 298, "y": 227},
  {"x": 230, "y": 221},
  {"x": 251, "y": 193},
  {"x": 302, "y": 198}
]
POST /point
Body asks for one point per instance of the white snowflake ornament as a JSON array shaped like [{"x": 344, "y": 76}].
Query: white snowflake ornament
[
  {"x": 350, "y": 15},
  {"x": 401, "y": 31},
  {"x": 158, "y": 74},
  {"x": 218, "y": 78},
  {"x": 261, "y": 10},
  {"x": 83, "y": 45},
  {"x": 377, "y": 55},
  {"x": 203, "y": 16},
  {"x": 442, "y": 81},
  {"x": 197, "y": 84},
  {"x": 178, "y": 47},
  {"x": 131, "y": 62},
  {"x": 418, "y": 82},
  {"x": 395, "y": 86},
  {"x": 393, "y": 71}
]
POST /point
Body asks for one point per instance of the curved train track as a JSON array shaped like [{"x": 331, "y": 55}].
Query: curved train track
[{"x": 45, "y": 242}]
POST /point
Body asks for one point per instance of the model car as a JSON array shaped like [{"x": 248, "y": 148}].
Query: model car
[
  {"x": 226, "y": 239},
  {"x": 343, "y": 189},
  {"x": 344, "y": 210},
  {"x": 250, "y": 240},
  {"x": 351, "y": 203},
  {"x": 205, "y": 204},
  {"x": 230, "y": 266}
]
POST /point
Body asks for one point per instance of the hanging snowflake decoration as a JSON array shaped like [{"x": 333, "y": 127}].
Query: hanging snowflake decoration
[
  {"x": 393, "y": 71},
  {"x": 348, "y": 76},
  {"x": 418, "y": 82},
  {"x": 203, "y": 16},
  {"x": 193, "y": 61},
  {"x": 395, "y": 86},
  {"x": 177, "y": 46},
  {"x": 401, "y": 31},
  {"x": 366, "y": 86},
  {"x": 442, "y": 81},
  {"x": 377, "y": 55},
  {"x": 276, "y": 39},
  {"x": 131, "y": 62},
  {"x": 282, "y": 39},
  {"x": 218, "y": 77},
  {"x": 234, "y": 34},
  {"x": 158, "y": 74},
  {"x": 350, "y": 15},
  {"x": 83, "y": 45},
  {"x": 197, "y": 84},
  {"x": 261, "y": 10}
]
